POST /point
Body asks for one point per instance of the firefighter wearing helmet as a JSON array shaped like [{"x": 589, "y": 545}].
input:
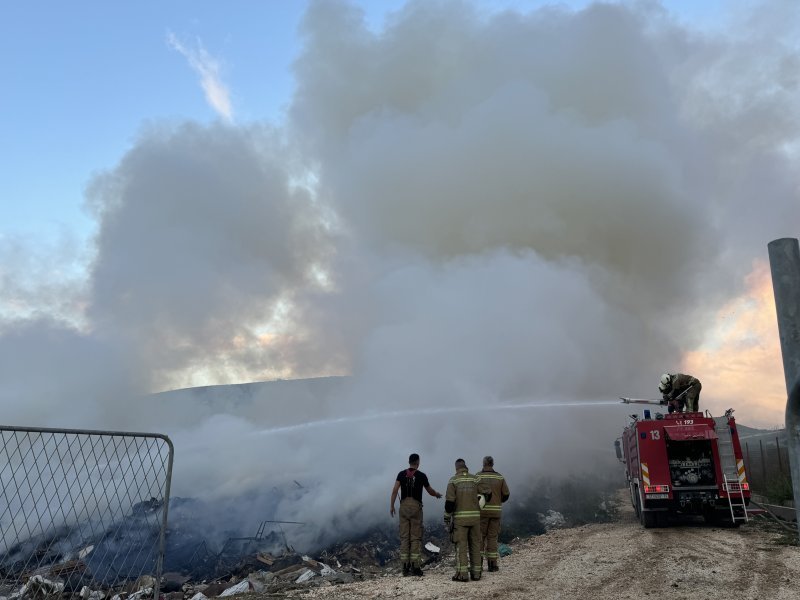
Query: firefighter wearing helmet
[
  {"x": 680, "y": 392},
  {"x": 463, "y": 518}
]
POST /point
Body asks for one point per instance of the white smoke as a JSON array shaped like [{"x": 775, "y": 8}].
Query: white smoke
[{"x": 462, "y": 209}]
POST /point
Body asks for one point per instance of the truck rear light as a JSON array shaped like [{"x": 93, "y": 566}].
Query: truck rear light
[
  {"x": 656, "y": 489},
  {"x": 737, "y": 487}
]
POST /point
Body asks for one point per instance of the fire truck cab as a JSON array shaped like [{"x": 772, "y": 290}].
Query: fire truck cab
[{"x": 684, "y": 463}]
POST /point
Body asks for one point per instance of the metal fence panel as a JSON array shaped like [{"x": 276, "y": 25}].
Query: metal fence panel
[
  {"x": 82, "y": 509},
  {"x": 766, "y": 464}
]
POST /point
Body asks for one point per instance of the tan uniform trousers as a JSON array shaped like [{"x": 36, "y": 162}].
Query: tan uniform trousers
[
  {"x": 692, "y": 398},
  {"x": 490, "y": 529},
  {"x": 467, "y": 539},
  {"x": 410, "y": 531}
]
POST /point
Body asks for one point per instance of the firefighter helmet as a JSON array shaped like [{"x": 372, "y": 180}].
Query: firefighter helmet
[
  {"x": 665, "y": 384},
  {"x": 481, "y": 500}
]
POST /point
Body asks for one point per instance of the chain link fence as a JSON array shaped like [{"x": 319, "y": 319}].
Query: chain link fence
[
  {"x": 82, "y": 511},
  {"x": 767, "y": 466}
]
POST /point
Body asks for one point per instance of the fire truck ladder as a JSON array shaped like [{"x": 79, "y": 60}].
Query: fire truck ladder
[{"x": 730, "y": 472}]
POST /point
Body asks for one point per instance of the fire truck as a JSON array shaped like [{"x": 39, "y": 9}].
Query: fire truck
[{"x": 684, "y": 464}]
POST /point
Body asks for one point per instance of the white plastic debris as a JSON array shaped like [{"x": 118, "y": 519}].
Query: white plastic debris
[
  {"x": 306, "y": 575},
  {"x": 431, "y": 548},
  {"x": 198, "y": 596},
  {"x": 326, "y": 570},
  {"x": 240, "y": 588},
  {"x": 88, "y": 594},
  {"x": 85, "y": 552},
  {"x": 142, "y": 593},
  {"x": 39, "y": 586}
]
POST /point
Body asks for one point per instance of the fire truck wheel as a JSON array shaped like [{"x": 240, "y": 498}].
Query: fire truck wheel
[
  {"x": 649, "y": 519},
  {"x": 635, "y": 500}
]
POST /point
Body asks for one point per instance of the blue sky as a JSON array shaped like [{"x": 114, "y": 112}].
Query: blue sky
[{"x": 81, "y": 79}]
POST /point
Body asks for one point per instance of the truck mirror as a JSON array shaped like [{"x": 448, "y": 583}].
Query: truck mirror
[{"x": 618, "y": 450}]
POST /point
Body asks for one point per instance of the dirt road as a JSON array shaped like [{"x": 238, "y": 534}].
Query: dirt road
[{"x": 614, "y": 561}]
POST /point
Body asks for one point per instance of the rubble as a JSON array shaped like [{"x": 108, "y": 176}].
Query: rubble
[
  {"x": 88, "y": 594},
  {"x": 240, "y": 588},
  {"x": 200, "y": 568},
  {"x": 305, "y": 576},
  {"x": 260, "y": 580},
  {"x": 142, "y": 593},
  {"x": 38, "y": 587}
]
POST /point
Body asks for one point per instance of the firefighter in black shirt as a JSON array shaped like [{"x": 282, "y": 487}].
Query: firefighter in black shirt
[{"x": 410, "y": 483}]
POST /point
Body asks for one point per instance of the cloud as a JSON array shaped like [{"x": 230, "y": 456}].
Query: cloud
[
  {"x": 740, "y": 364},
  {"x": 205, "y": 65}
]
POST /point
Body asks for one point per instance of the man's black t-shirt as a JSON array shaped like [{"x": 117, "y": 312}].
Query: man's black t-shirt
[{"x": 411, "y": 483}]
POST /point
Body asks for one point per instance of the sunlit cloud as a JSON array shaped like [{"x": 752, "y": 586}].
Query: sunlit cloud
[
  {"x": 205, "y": 65},
  {"x": 740, "y": 363}
]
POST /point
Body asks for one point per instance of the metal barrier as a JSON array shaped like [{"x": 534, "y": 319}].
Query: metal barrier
[
  {"x": 766, "y": 461},
  {"x": 82, "y": 509}
]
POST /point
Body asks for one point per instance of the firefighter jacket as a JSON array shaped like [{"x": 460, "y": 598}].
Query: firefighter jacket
[
  {"x": 497, "y": 483},
  {"x": 462, "y": 498},
  {"x": 680, "y": 383}
]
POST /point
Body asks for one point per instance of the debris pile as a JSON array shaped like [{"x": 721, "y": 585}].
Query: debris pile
[
  {"x": 264, "y": 562},
  {"x": 201, "y": 562}
]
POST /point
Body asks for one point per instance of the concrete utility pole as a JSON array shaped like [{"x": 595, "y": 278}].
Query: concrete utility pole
[{"x": 784, "y": 260}]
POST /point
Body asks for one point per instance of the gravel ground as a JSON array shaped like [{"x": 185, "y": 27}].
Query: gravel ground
[{"x": 614, "y": 561}]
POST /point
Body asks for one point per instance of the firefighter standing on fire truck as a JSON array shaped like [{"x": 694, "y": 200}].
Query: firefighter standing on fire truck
[
  {"x": 680, "y": 392},
  {"x": 491, "y": 512},
  {"x": 463, "y": 513}
]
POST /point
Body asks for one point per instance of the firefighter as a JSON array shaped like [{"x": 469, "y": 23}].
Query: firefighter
[
  {"x": 463, "y": 518},
  {"x": 410, "y": 482},
  {"x": 491, "y": 511},
  {"x": 680, "y": 392}
]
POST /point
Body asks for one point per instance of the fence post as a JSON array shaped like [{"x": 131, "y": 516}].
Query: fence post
[
  {"x": 784, "y": 261},
  {"x": 749, "y": 464}
]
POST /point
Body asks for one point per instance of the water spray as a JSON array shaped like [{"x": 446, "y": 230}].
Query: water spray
[{"x": 429, "y": 411}]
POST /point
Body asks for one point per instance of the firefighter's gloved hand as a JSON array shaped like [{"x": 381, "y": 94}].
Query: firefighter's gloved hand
[{"x": 447, "y": 520}]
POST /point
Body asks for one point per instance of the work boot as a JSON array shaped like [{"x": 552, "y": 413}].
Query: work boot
[
  {"x": 474, "y": 576},
  {"x": 493, "y": 565},
  {"x": 406, "y": 569},
  {"x": 460, "y": 578},
  {"x": 417, "y": 571}
]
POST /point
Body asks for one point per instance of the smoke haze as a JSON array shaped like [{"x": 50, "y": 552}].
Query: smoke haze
[{"x": 461, "y": 209}]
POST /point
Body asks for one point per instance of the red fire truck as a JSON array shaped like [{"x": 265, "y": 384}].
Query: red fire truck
[{"x": 684, "y": 463}]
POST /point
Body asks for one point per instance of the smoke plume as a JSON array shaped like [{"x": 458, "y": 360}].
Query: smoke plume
[{"x": 462, "y": 209}]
